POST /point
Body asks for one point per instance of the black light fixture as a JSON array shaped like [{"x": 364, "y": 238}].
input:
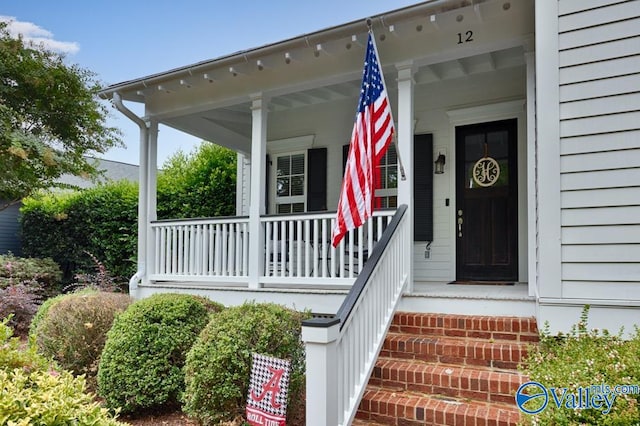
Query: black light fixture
[{"x": 439, "y": 164}]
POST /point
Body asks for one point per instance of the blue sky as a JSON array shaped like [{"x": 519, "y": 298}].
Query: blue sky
[{"x": 122, "y": 40}]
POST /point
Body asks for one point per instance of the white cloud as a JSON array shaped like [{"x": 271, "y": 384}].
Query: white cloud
[{"x": 38, "y": 35}]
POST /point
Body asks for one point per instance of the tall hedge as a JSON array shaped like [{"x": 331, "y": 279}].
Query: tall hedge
[
  {"x": 100, "y": 220},
  {"x": 103, "y": 220},
  {"x": 198, "y": 184}
]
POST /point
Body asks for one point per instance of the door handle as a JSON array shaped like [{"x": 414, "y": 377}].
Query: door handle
[{"x": 460, "y": 222}]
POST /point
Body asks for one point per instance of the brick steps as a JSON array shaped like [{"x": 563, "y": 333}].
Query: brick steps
[
  {"x": 451, "y": 350},
  {"x": 391, "y": 408},
  {"x": 488, "y": 385},
  {"x": 437, "y": 369},
  {"x": 476, "y": 327}
]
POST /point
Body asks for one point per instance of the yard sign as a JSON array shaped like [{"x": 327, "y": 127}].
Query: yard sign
[{"x": 267, "y": 399}]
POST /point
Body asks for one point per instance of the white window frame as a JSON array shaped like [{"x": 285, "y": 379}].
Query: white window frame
[{"x": 291, "y": 199}]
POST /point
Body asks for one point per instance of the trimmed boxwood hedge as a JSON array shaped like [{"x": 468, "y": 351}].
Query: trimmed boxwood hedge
[
  {"x": 218, "y": 366},
  {"x": 142, "y": 360}
]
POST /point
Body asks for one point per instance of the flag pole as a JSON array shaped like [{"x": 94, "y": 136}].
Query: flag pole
[{"x": 395, "y": 139}]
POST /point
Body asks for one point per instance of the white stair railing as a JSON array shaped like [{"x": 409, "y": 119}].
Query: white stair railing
[{"x": 341, "y": 350}]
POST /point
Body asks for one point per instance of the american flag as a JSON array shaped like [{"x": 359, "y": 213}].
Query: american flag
[{"x": 372, "y": 133}]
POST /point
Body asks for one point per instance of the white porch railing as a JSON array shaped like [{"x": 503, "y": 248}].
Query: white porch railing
[
  {"x": 298, "y": 248},
  {"x": 342, "y": 350},
  {"x": 201, "y": 249}
]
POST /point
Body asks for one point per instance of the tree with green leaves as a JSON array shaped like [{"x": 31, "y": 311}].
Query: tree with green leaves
[
  {"x": 50, "y": 119},
  {"x": 199, "y": 184}
]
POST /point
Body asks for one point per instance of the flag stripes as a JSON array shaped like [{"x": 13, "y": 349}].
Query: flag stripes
[{"x": 372, "y": 133}]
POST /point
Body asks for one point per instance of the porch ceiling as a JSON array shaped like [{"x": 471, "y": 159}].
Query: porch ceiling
[{"x": 231, "y": 125}]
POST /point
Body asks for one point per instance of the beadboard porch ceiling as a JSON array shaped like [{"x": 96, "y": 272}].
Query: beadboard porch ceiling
[{"x": 233, "y": 122}]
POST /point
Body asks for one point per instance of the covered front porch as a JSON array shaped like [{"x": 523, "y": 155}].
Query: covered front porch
[{"x": 287, "y": 111}]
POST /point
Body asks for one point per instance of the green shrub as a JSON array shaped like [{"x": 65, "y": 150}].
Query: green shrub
[
  {"x": 45, "y": 273},
  {"x": 218, "y": 366},
  {"x": 100, "y": 220},
  {"x": 583, "y": 358},
  {"x": 41, "y": 313},
  {"x": 199, "y": 184},
  {"x": 141, "y": 365},
  {"x": 48, "y": 398},
  {"x": 74, "y": 329},
  {"x": 33, "y": 391},
  {"x": 15, "y": 354}
]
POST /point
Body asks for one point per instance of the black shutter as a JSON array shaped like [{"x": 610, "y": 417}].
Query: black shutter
[
  {"x": 345, "y": 155},
  {"x": 317, "y": 182},
  {"x": 423, "y": 187},
  {"x": 267, "y": 168}
]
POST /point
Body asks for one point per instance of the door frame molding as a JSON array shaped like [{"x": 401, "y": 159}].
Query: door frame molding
[{"x": 503, "y": 110}]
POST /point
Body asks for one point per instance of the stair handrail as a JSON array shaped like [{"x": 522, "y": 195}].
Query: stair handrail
[{"x": 329, "y": 403}]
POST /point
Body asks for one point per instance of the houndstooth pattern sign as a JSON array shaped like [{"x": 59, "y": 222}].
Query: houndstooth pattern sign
[{"x": 268, "y": 389}]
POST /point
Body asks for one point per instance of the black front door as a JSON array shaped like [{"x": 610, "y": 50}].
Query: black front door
[{"x": 486, "y": 216}]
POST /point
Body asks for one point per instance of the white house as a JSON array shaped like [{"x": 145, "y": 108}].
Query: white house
[{"x": 548, "y": 91}]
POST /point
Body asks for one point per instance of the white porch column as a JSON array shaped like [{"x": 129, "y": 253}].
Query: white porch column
[
  {"x": 405, "y": 151},
  {"x": 240, "y": 185},
  {"x": 152, "y": 196},
  {"x": 532, "y": 210},
  {"x": 142, "y": 212},
  {"x": 257, "y": 192},
  {"x": 549, "y": 236},
  {"x": 322, "y": 373}
]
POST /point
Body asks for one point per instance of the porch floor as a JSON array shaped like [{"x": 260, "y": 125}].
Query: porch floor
[{"x": 518, "y": 291}]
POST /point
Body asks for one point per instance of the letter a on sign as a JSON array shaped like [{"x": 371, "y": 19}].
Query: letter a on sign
[{"x": 267, "y": 399}]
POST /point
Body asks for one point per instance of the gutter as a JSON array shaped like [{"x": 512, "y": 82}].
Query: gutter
[
  {"x": 143, "y": 208},
  {"x": 425, "y": 9}
]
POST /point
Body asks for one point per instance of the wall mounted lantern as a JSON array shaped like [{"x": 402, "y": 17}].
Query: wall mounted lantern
[{"x": 439, "y": 164}]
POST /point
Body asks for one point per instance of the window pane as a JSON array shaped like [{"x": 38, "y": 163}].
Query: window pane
[
  {"x": 297, "y": 208},
  {"x": 284, "y": 166},
  {"x": 391, "y": 156},
  {"x": 283, "y": 187},
  {"x": 392, "y": 177},
  {"x": 297, "y": 164},
  {"x": 284, "y": 208},
  {"x": 297, "y": 185}
]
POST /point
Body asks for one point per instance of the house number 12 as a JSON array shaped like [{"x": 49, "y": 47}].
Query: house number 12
[{"x": 465, "y": 37}]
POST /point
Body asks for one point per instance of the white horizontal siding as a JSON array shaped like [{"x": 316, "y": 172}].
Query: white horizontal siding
[
  {"x": 600, "y": 52},
  {"x": 608, "y": 160},
  {"x": 601, "y": 216},
  {"x": 601, "y": 197},
  {"x": 600, "y": 179},
  {"x": 615, "y": 234},
  {"x": 601, "y": 271},
  {"x": 598, "y": 143},
  {"x": 610, "y": 253},
  {"x": 614, "y": 11},
  {"x": 600, "y": 106},
  {"x": 604, "y": 290},
  {"x": 566, "y": 7},
  {"x": 601, "y": 88},
  {"x": 604, "y": 124},
  {"x": 594, "y": 35},
  {"x": 599, "y": 70}
]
